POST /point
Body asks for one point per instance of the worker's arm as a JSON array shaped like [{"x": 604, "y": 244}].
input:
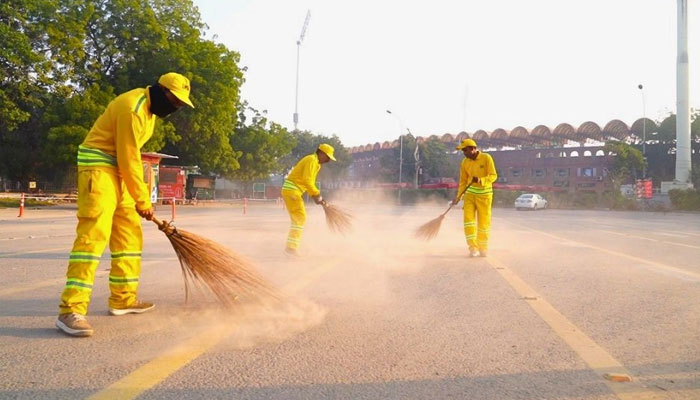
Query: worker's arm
[
  {"x": 463, "y": 181},
  {"x": 129, "y": 162},
  {"x": 491, "y": 174},
  {"x": 308, "y": 180}
]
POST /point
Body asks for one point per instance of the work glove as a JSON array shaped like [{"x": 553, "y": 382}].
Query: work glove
[
  {"x": 475, "y": 180},
  {"x": 455, "y": 202}
]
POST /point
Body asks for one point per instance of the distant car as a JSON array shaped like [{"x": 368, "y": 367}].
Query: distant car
[{"x": 530, "y": 201}]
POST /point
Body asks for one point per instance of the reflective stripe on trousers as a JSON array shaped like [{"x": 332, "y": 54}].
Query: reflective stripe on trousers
[
  {"x": 106, "y": 214},
  {"x": 297, "y": 213},
  {"x": 477, "y": 219}
]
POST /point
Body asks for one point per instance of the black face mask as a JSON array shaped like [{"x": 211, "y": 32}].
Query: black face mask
[{"x": 160, "y": 105}]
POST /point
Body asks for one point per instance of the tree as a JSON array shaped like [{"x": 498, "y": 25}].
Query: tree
[
  {"x": 629, "y": 161},
  {"x": 307, "y": 143},
  {"x": 58, "y": 57},
  {"x": 262, "y": 145},
  {"x": 667, "y": 128},
  {"x": 436, "y": 160}
]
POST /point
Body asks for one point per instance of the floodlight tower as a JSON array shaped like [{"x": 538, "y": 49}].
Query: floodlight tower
[{"x": 296, "y": 95}]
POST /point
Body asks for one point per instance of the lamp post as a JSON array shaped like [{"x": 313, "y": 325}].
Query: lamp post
[
  {"x": 644, "y": 131},
  {"x": 400, "y": 151},
  {"x": 296, "y": 92}
]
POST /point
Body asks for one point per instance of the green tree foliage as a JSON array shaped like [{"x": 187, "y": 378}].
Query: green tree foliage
[
  {"x": 629, "y": 162},
  {"x": 434, "y": 158},
  {"x": 307, "y": 143},
  {"x": 262, "y": 143},
  {"x": 62, "y": 61},
  {"x": 667, "y": 128}
]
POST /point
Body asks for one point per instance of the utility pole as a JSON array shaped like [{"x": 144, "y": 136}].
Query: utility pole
[
  {"x": 296, "y": 95},
  {"x": 644, "y": 131}
]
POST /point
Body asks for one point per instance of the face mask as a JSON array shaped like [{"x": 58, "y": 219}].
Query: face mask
[{"x": 160, "y": 105}]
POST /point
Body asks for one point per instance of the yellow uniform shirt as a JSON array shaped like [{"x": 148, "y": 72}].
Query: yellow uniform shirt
[
  {"x": 483, "y": 168},
  {"x": 303, "y": 176},
  {"x": 116, "y": 139}
]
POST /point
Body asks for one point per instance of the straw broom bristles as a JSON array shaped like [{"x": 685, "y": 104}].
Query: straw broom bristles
[
  {"x": 206, "y": 263},
  {"x": 337, "y": 219},
  {"x": 430, "y": 229}
]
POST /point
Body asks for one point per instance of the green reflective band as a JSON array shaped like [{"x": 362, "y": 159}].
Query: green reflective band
[
  {"x": 290, "y": 185},
  {"x": 470, "y": 224},
  {"x": 141, "y": 100},
  {"x": 94, "y": 157},
  {"x": 292, "y": 240},
  {"x": 475, "y": 190},
  {"x": 471, "y": 237},
  {"x": 297, "y": 227},
  {"x": 124, "y": 254},
  {"x": 78, "y": 284},
  {"x": 82, "y": 257},
  {"x": 123, "y": 279}
]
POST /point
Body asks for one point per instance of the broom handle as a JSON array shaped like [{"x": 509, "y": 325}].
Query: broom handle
[{"x": 460, "y": 196}]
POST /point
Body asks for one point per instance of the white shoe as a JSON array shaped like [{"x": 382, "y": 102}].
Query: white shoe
[{"x": 136, "y": 308}]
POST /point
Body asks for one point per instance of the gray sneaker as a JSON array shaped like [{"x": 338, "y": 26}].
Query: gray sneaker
[
  {"x": 473, "y": 252},
  {"x": 74, "y": 324},
  {"x": 135, "y": 308},
  {"x": 483, "y": 253}
]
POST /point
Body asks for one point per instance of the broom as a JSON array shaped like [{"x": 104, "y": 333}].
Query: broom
[
  {"x": 206, "y": 263},
  {"x": 337, "y": 219},
  {"x": 430, "y": 229}
]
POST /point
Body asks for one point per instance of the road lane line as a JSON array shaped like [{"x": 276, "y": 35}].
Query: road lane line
[
  {"x": 597, "y": 358},
  {"x": 688, "y": 275},
  {"x": 58, "y": 281},
  {"x": 158, "y": 369},
  {"x": 650, "y": 239}
]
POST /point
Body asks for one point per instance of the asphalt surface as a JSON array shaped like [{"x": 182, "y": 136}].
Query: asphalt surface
[{"x": 566, "y": 303}]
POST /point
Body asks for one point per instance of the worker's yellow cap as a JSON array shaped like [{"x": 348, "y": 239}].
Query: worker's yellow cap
[
  {"x": 466, "y": 143},
  {"x": 328, "y": 149},
  {"x": 178, "y": 85}
]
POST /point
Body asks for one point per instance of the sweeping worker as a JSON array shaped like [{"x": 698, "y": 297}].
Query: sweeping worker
[
  {"x": 302, "y": 179},
  {"x": 479, "y": 169},
  {"x": 112, "y": 196}
]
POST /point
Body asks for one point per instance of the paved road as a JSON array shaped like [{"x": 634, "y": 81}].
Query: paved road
[{"x": 566, "y": 299}]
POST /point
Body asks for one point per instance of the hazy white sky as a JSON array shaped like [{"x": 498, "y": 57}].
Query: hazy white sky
[{"x": 446, "y": 66}]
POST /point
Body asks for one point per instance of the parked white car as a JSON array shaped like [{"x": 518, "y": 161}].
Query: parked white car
[{"x": 530, "y": 201}]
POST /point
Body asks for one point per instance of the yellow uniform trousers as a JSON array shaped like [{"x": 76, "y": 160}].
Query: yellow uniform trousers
[
  {"x": 106, "y": 213},
  {"x": 294, "y": 202},
  {"x": 477, "y": 219}
]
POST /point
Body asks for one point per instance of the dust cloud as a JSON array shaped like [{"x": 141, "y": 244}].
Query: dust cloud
[{"x": 356, "y": 268}]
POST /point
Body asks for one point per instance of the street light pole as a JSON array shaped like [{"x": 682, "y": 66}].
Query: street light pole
[
  {"x": 296, "y": 92},
  {"x": 400, "y": 152},
  {"x": 644, "y": 131}
]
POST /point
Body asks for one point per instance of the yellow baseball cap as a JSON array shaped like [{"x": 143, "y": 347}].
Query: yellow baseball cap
[
  {"x": 328, "y": 149},
  {"x": 178, "y": 85},
  {"x": 466, "y": 143}
]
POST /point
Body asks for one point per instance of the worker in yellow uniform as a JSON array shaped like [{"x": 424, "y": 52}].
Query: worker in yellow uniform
[
  {"x": 477, "y": 173},
  {"x": 111, "y": 197},
  {"x": 302, "y": 179}
]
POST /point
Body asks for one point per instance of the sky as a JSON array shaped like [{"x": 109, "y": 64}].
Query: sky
[{"x": 449, "y": 66}]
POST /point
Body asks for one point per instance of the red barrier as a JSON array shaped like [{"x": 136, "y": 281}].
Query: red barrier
[{"x": 21, "y": 207}]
